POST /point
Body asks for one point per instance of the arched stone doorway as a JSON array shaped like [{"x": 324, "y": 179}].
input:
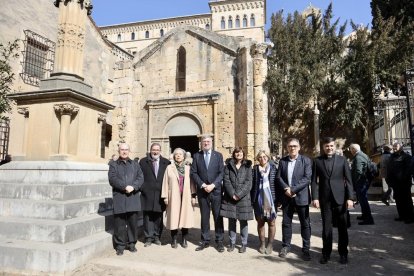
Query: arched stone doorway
[{"x": 182, "y": 131}]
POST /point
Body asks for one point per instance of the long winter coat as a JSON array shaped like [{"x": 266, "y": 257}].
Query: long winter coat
[
  {"x": 122, "y": 174},
  {"x": 180, "y": 212},
  {"x": 151, "y": 189},
  {"x": 239, "y": 183}
]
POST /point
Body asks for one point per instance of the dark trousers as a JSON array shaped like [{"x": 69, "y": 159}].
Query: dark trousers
[
  {"x": 361, "y": 188},
  {"x": 327, "y": 210},
  {"x": 403, "y": 200},
  {"x": 207, "y": 202},
  {"x": 125, "y": 230},
  {"x": 152, "y": 225},
  {"x": 174, "y": 233},
  {"x": 305, "y": 227}
]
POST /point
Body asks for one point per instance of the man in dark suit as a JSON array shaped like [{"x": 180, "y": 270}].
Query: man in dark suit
[
  {"x": 153, "y": 166},
  {"x": 126, "y": 178},
  {"x": 293, "y": 178},
  {"x": 207, "y": 173},
  {"x": 332, "y": 192}
]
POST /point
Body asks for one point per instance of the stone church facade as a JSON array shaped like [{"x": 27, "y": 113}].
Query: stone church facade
[{"x": 170, "y": 80}]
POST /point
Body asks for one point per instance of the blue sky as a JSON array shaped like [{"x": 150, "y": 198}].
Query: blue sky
[{"x": 108, "y": 12}]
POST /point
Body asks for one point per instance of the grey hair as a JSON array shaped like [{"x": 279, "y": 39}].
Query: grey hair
[
  {"x": 123, "y": 144},
  {"x": 178, "y": 149},
  {"x": 204, "y": 137},
  {"x": 155, "y": 144},
  {"x": 355, "y": 147}
]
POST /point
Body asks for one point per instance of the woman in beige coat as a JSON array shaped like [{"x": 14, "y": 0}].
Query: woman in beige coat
[{"x": 178, "y": 193}]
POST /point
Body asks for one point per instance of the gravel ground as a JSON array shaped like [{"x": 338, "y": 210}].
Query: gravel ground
[{"x": 386, "y": 248}]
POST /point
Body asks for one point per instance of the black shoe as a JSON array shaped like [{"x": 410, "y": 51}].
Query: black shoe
[
  {"x": 360, "y": 218},
  {"x": 157, "y": 241},
  {"x": 324, "y": 259},
  {"x": 184, "y": 243},
  {"x": 366, "y": 222},
  {"x": 119, "y": 252},
  {"x": 231, "y": 248},
  {"x": 174, "y": 243},
  {"x": 132, "y": 249},
  {"x": 202, "y": 246},
  {"x": 284, "y": 252},
  {"x": 343, "y": 259},
  {"x": 147, "y": 243},
  {"x": 409, "y": 221},
  {"x": 220, "y": 247},
  {"x": 399, "y": 219},
  {"x": 385, "y": 201},
  {"x": 242, "y": 249},
  {"x": 306, "y": 255}
]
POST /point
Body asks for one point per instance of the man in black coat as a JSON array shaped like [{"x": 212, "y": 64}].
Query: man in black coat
[
  {"x": 399, "y": 178},
  {"x": 207, "y": 173},
  {"x": 126, "y": 178},
  {"x": 153, "y": 166},
  {"x": 293, "y": 178},
  {"x": 332, "y": 192}
]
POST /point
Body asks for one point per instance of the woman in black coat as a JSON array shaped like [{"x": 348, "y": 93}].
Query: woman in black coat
[
  {"x": 236, "y": 204},
  {"x": 264, "y": 199}
]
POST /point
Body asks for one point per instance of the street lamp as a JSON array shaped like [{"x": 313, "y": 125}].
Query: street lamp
[{"x": 409, "y": 86}]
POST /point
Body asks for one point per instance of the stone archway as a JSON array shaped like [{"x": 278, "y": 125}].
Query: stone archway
[{"x": 182, "y": 131}]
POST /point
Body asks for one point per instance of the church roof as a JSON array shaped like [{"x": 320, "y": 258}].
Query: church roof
[{"x": 228, "y": 44}]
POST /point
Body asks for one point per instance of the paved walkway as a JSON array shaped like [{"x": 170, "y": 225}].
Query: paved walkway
[{"x": 386, "y": 248}]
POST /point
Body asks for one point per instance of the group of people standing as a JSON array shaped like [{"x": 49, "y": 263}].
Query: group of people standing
[{"x": 231, "y": 189}]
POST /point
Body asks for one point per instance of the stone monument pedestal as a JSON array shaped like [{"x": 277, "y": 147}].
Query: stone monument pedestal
[{"x": 54, "y": 215}]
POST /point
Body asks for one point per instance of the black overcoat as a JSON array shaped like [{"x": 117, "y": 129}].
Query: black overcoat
[
  {"x": 121, "y": 174},
  {"x": 151, "y": 189}
]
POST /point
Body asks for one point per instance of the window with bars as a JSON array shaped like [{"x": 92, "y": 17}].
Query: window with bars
[
  {"x": 38, "y": 58},
  {"x": 4, "y": 138}
]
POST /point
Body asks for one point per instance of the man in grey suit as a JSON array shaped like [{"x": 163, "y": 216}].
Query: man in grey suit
[
  {"x": 207, "y": 173},
  {"x": 293, "y": 178}
]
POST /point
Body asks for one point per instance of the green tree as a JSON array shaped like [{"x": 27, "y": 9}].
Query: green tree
[{"x": 7, "y": 52}]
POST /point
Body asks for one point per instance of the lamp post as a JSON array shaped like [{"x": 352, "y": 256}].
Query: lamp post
[{"x": 409, "y": 85}]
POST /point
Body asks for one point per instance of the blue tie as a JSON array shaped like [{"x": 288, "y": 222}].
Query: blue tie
[{"x": 207, "y": 159}]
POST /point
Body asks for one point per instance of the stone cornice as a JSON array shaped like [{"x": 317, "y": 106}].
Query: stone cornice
[
  {"x": 189, "y": 100},
  {"x": 156, "y": 24},
  {"x": 63, "y": 94},
  {"x": 235, "y": 5},
  {"x": 86, "y": 3},
  {"x": 66, "y": 109}
]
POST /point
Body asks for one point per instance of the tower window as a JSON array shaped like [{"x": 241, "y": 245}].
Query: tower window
[
  {"x": 223, "y": 23},
  {"x": 119, "y": 38},
  {"x": 252, "y": 21},
  {"x": 230, "y": 22},
  {"x": 162, "y": 32},
  {"x": 244, "y": 21},
  {"x": 181, "y": 69},
  {"x": 237, "y": 21},
  {"x": 146, "y": 34},
  {"x": 132, "y": 36},
  {"x": 207, "y": 26}
]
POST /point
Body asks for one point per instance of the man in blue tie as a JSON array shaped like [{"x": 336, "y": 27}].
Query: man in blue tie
[{"x": 207, "y": 173}]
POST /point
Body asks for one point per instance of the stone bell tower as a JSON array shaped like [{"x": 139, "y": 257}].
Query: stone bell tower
[{"x": 54, "y": 196}]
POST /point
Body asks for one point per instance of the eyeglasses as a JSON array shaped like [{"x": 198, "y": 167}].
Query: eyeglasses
[{"x": 293, "y": 146}]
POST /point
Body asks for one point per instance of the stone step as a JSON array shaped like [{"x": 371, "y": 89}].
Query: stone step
[
  {"x": 33, "y": 258},
  {"x": 55, "y": 231},
  {"x": 53, "y": 209},
  {"x": 55, "y": 192}
]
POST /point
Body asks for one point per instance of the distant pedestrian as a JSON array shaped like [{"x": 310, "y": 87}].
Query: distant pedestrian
[
  {"x": 399, "y": 178},
  {"x": 361, "y": 183},
  {"x": 387, "y": 196}
]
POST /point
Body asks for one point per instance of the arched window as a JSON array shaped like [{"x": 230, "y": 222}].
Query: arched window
[
  {"x": 119, "y": 38},
  {"x": 132, "y": 36},
  {"x": 162, "y": 32},
  {"x": 230, "y": 22},
  {"x": 244, "y": 21},
  {"x": 146, "y": 34},
  {"x": 181, "y": 69},
  {"x": 207, "y": 26},
  {"x": 252, "y": 21},
  {"x": 237, "y": 21},
  {"x": 223, "y": 23}
]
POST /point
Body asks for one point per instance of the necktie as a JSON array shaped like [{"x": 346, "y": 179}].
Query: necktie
[
  {"x": 155, "y": 165},
  {"x": 207, "y": 159}
]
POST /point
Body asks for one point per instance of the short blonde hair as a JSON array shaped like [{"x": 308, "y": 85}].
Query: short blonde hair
[{"x": 262, "y": 152}]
